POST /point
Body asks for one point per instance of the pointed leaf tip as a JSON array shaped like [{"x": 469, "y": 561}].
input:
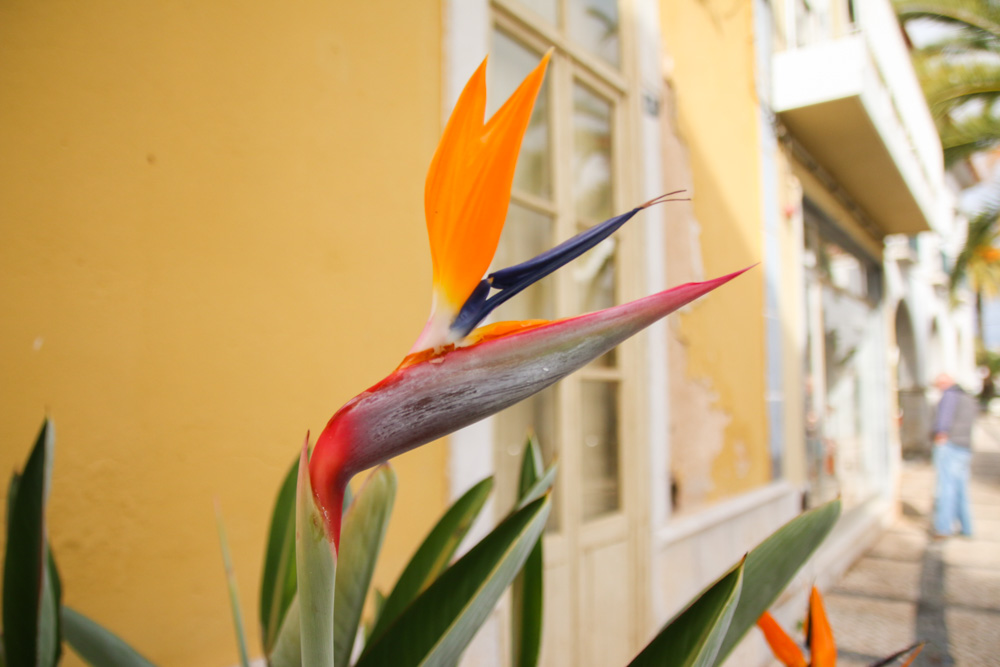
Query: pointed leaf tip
[
  {"x": 773, "y": 563},
  {"x": 277, "y": 585},
  {"x": 693, "y": 637},
  {"x": 29, "y": 616},
  {"x": 365, "y": 524},
  {"x": 316, "y": 565}
]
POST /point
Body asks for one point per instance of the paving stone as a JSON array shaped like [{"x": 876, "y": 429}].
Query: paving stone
[
  {"x": 853, "y": 662},
  {"x": 869, "y": 626},
  {"x": 973, "y": 638},
  {"x": 901, "y": 544},
  {"x": 893, "y": 579},
  {"x": 985, "y": 511},
  {"x": 961, "y": 552},
  {"x": 987, "y": 529},
  {"x": 973, "y": 587}
]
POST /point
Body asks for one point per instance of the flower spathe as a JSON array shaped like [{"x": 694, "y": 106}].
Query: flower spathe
[
  {"x": 819, "y": 639},
  {"x": 455, "y": 373},
  {"x": 823, "y": 650}
]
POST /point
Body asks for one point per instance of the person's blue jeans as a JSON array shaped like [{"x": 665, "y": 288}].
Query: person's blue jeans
[{"x": 951, "y": 464}]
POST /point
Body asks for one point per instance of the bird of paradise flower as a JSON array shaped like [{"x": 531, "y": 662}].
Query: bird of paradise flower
[
  {"x": 819, "y": 639},
  {"x": 456, "y": 373}
]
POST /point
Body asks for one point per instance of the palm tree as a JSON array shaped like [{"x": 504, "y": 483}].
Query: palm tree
[
  {"x": 958, "y": 63},
  {"x": 959, "y": 69}
]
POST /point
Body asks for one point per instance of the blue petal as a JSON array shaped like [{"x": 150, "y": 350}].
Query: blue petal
[
  {"x": 516, "y": 278},
  {"x": 473, "y": 311}
]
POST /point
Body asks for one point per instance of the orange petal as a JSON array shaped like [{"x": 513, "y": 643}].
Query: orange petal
[
  {"x": 500, "y": 329},
  {"x": 820, "y": 634},
  {"x": 468, "y": 183},
  {"x": 913, "y": 656},
  {"x": 488, "y": 332},
  {"x": 784, "y": 647}
]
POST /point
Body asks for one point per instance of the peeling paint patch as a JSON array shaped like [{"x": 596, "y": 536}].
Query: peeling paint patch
[{"x": 697, "y": 432}]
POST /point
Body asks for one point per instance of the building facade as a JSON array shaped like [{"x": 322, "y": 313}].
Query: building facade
[{"x": 220, "y": 209}]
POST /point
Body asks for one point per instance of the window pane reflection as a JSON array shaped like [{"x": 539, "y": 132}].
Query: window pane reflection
[
  {"x": 594, "y": 276},
  {"x": 600, "y": 448},
  {"x": 507, "y": 67},
  {"x": 592, "y": 186},
  {"x": 594, "y": 24},
  {"x": 536, "y": 415},
  {"x": 526, "y": 234}
]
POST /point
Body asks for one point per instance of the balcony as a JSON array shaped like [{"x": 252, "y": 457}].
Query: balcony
[{"x": 852, "y": 101}]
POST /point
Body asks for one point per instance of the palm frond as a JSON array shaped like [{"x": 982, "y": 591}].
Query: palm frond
[
  {"x": 949, "y": 83},
  {"x": 979, "y": 260},
  {"x": 961, "y": 138},
  {"x": 981, "y": 15},
  {"x": 961, "y": 41}
]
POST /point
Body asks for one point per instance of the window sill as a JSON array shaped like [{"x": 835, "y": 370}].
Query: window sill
[{"x": 727, "y": 510}]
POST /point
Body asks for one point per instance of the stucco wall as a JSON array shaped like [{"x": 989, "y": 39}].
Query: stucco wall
[
  {"x": 717, "y": 374},
  {"x": 211, "y": 238}
]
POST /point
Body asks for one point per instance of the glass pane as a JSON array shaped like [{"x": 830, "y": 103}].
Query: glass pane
[
  {"x": 600, "y": 448},
  {"x": 594, "y": 278},
  {"x": 536, "y": 415},
  {"x": 508, "y": 65},
  {"x": 526, "y": 234},
  {"x": 547, "y": 9},
  {"x": 592, "y": 187},
  {"x": 594, "y": 24}
]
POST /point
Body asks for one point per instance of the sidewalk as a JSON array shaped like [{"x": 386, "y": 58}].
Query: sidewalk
[{"x": 944, "y": 592}]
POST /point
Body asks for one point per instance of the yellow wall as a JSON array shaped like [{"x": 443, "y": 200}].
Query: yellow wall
[
  {"x": 717, "y": 360},
  {"x": 211, "y": 237}
]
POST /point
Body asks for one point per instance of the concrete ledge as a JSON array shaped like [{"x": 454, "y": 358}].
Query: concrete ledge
[{"x": 687, "y": 526}]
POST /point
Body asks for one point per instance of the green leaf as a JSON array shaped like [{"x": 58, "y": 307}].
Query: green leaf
[
  {"x": 50, "y": 624},
  {"x": 287, "y": 650},
  {"x": 316, "y": 565},
  {"x": 540, "y": 487},
  {"x": 531, "y": 466},
  {"x": 277, "y": 582},
  {"x": 365, "y": 523},
  {"x": 527, "y": 590},
  {"x": 440, "y": 623},
  {"x": 772, "y": 564},
  {"x": 693, "y": 637},
  {"x": 96, "y": 645},
  {"x": 434, "y": 554},
  {"x": 378, "y": 599},
  {"x": 24, "y": 576},
  {"x": 234, "y": 595}
]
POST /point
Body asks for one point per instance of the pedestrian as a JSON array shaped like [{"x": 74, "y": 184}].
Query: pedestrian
[{"x": 952, "y": 455}]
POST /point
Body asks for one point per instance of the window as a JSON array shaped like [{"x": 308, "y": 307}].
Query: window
[
  {"x": 845, "y": 382},
  {"x": 568, "y": 178}
]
